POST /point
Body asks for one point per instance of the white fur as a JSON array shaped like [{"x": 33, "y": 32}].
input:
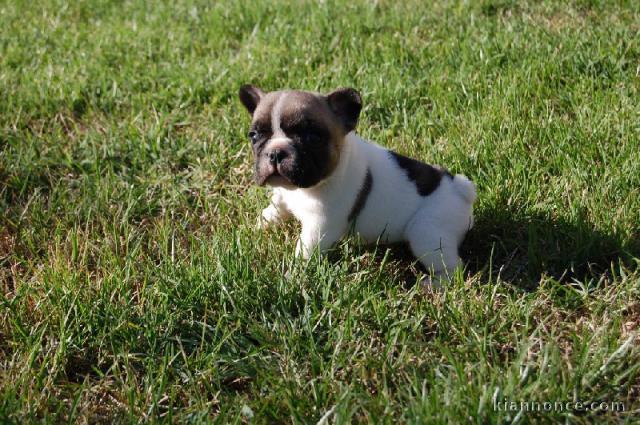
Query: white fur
[{"x": 394, "y": 211}]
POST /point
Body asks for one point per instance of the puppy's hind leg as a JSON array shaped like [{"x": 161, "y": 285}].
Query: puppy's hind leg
[{"x": 436, "y": 249}]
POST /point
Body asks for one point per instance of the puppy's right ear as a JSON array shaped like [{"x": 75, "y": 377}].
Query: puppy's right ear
[{"x": 250, "y": 97}]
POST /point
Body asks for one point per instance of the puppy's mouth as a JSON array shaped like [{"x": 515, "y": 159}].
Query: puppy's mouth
[
  {"x": 278, "y": 180},
  {"x": 274, "y": 177}
]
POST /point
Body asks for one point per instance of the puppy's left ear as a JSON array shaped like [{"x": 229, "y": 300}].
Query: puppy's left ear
[
  {"x": 346, "y": 104},
  {"x": 250, "y": 97}
]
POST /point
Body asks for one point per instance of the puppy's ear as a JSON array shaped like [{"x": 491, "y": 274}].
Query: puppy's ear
[
  {"x": 250, "y": 97},
  {"x": 346, "y": 104}
]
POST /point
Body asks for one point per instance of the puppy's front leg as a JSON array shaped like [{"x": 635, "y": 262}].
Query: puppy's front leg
[
  {"x": 275, "y": 213},
  {"x": 317, "y": 236}
]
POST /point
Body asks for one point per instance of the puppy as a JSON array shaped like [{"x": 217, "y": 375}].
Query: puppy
[{"x": 333, "y": 181}]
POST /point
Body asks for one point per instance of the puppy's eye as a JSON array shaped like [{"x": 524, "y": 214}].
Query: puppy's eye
[
  {"x": 308, "y": 134},
  {"x": 253, "y": 136},
  {"x": 305, "y": 134},
  {"x": 302, "y": 130}
]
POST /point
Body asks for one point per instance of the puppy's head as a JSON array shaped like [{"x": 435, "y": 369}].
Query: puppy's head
[{"x": 297, "y": 136}]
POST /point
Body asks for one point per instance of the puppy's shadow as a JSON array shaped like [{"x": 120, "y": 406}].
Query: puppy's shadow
[{"x": 522, "y": 248}]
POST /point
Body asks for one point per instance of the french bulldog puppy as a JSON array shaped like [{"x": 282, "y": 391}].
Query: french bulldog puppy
[{"x": 334, "y": 182}]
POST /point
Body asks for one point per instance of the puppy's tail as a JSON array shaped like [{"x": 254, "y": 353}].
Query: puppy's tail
[{"x": 465, "y": 188}]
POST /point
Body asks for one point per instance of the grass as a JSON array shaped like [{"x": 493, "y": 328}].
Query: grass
[{"x": 134, "y": 287}]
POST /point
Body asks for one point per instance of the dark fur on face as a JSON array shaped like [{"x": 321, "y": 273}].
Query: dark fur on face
[{"x": 297, "y": 136}]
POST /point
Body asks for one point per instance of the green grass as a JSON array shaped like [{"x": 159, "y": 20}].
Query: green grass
[{"x": 134, "y": 287}]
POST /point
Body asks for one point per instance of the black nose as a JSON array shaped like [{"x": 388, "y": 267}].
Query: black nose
[{"x": 276, "y": 156}]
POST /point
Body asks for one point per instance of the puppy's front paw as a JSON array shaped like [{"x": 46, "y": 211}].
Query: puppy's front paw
[{"x": 270, "y": 215}]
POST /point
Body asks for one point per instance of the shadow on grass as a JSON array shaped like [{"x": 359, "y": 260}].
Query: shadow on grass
[{"x": 523, "y": 248}]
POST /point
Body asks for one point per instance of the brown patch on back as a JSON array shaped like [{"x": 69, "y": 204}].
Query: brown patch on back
[{"x": 426, "y": 177}]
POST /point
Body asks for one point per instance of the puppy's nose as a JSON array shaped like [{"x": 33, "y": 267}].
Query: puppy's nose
[{"x": 276, "y": 156}]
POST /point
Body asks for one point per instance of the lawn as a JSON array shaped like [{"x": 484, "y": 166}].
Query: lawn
[{"x": 134, "y": 286}]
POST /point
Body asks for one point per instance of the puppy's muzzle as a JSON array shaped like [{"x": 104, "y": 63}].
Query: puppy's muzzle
[{"x": 276, "y": 156}]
